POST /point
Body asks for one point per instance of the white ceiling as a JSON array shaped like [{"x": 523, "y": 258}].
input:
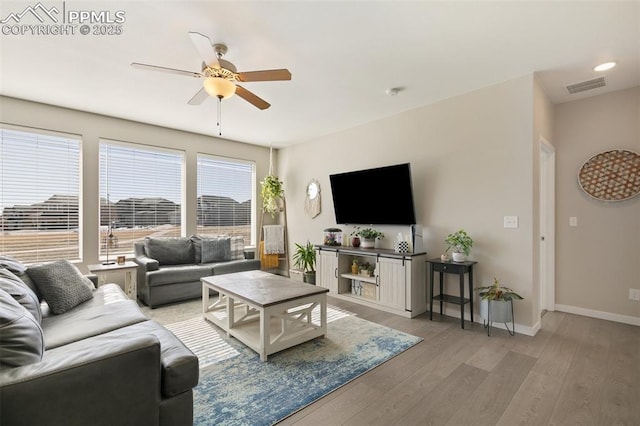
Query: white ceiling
[{"x": 343, "y": 56}]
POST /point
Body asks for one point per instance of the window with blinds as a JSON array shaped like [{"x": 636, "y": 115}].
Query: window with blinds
[
  {"x": 225, "y": 197},
  {"x": 141, "y": 194},
  {"x": 39, "y": 195}
]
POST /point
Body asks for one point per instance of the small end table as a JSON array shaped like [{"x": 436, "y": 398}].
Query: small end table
[
  {"x": 129, "y": 269},
  {"x": 459, "y": 268}
]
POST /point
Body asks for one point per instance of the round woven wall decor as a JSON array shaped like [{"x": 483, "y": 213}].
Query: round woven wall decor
[{"x": 611, "y": 175}]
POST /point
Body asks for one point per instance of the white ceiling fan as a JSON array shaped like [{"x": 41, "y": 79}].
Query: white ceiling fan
[{"x": 221, "y": 76}]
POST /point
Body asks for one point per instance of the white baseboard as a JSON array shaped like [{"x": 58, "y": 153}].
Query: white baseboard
[{"x": 625, "y": 319}]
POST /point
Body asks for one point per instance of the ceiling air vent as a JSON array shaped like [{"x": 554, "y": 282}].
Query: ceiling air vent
[{"x": 586, "y": 85}]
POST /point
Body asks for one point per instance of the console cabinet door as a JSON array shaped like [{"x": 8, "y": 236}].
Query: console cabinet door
[
  {"x": 327, "y": 270},
  {"x": 392, "y": 282}
]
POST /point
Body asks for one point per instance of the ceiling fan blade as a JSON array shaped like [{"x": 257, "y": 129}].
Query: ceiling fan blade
[
  {"x": 266, "y": 75},
  {"x": 252, "y": 98},
  {"x": 199, "y": 97},
  {"x": 165, "y": 69},
  {"x": 205, "y": 49}
]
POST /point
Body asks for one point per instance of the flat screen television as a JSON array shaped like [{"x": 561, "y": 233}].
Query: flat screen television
[{"x": 378, "y": 196}]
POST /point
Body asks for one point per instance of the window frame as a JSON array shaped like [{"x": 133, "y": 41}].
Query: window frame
[
  {"x": 78, "y": 146},
  {"x": 252, "y": 190},
  {"x": 142, "y": 148}
]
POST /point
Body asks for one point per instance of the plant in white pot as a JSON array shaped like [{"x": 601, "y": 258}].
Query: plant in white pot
[
  {"x": 368, "y": 236},
  {"x": 496, "y": 305},
  {"x": 304, "y": 258},
  {"x": 460, "y": 243}
]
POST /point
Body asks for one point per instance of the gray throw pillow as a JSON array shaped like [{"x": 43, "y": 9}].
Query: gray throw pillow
[
  {"x": 237, "y": 248},
  {"x": 170, "y": 250},
  {"x": 62, "y": 285},
  {"x": 21, "y": 337},
  {"x": 21, "y": 293},
  {"x": 216, "y": 249},
  {"x": 197, "y": 245}
]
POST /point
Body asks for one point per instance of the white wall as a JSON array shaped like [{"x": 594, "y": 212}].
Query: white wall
[
  {"x": 92, "y": 127},
  {"x": 471, "y": 158},
  {"x": 597, "y": 261}
]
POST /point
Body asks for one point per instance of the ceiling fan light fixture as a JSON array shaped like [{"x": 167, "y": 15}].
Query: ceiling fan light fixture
[{"x": 219, "y": 87}]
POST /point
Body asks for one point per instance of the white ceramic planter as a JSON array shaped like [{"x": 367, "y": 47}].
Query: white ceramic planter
[
  {"x": 458, "y": 257},
  {"x": 496, "y": 310},
  {"x": 367, "y": 243}
]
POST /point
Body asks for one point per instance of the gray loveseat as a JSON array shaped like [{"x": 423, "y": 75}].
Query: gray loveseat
[
  {"x": 171, "y": 267},
  {"x": 101, "y": 362}
]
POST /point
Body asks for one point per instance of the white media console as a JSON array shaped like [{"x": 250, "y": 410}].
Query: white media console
[{"x": 398, "y": 284}]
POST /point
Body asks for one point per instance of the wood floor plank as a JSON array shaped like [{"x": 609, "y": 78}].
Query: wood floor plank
[
  {"x": 488, "y": 402},
  {"x": 580, "y": 399},
  {"x": 439, "y": 406},
  {"x": 621, "y": 394}
]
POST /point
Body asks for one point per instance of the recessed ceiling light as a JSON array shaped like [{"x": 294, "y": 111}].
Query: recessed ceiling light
[{"x": 605, "y": 66}]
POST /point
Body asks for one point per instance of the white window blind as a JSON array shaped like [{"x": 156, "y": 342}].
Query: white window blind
[
  {"x": 141, "y": 194},
  {"x": 39, "y": 195},
  {"x": 225, "y": 197}
]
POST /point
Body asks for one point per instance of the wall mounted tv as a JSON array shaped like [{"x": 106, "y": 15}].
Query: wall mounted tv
[{"x": 379, "y": 196}]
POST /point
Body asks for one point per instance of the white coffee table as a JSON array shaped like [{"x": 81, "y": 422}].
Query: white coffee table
[{"x": 266, "y": 312}]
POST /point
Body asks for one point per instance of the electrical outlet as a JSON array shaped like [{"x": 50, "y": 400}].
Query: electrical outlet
[
  {"x": 634, "y": 294},
  {"x": 511, "y": 221}
]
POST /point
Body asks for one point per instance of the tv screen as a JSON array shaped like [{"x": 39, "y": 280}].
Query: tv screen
[{"x": 379, "y": 196}]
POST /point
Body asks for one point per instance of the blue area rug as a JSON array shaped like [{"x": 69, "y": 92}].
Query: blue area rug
[{"x": 236, "y": 388}]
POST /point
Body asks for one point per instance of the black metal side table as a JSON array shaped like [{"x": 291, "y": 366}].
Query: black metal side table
[{"x": 459, "y": 268}]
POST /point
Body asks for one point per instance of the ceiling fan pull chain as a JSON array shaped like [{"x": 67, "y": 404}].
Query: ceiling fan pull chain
[{"x": 219, "y": 116}]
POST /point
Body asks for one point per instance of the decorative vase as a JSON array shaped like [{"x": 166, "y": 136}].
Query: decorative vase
[
  {"x": 368, "y": 243},
  {"x": 445, "y": 258},
  {"x": 458, "y": 257},
  {"x": 355, "y": 241},
  {"x": 354, "y": 268}
]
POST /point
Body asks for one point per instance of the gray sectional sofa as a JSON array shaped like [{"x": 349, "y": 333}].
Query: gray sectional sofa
[
  {"x": 90, "y": 358},
  {"x": 170, "y": 268}
]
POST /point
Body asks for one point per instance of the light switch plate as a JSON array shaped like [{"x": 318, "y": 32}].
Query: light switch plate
[
  {"x": 511, "y": 221},
  {"x": 573, "y": 221}
]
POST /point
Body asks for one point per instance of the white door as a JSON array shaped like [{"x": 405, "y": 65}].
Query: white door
[{"x": 547, "y": 226}]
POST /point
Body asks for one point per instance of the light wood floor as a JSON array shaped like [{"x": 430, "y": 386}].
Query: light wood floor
[{"x": 576, "y": 371}]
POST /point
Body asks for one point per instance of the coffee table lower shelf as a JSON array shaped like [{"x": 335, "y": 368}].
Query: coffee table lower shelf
[{"x": 266, "y": 329}]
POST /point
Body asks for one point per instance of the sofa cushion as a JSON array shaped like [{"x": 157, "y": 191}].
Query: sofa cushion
[
  {"x": 21, "y": 293},
  {"x": 177, "y": 274},
  {"x": 21, "y": 337},
  {"x": 197, "y": 245},
  {"x": 62, "y": 285},
  {"x": 216, "y": 249},
  {"x": 170, "y": 250},
  {"x": 109, "y": 309}
]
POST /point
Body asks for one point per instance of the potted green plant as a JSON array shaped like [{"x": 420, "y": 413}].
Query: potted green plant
[
  {"x": 271, "y": 190},
  {"x": 496, "y": 304},
  {"x": 304, "y": 258},
  {"x": 461, "y": 244},
  {"x": 368, "y": 236}
]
